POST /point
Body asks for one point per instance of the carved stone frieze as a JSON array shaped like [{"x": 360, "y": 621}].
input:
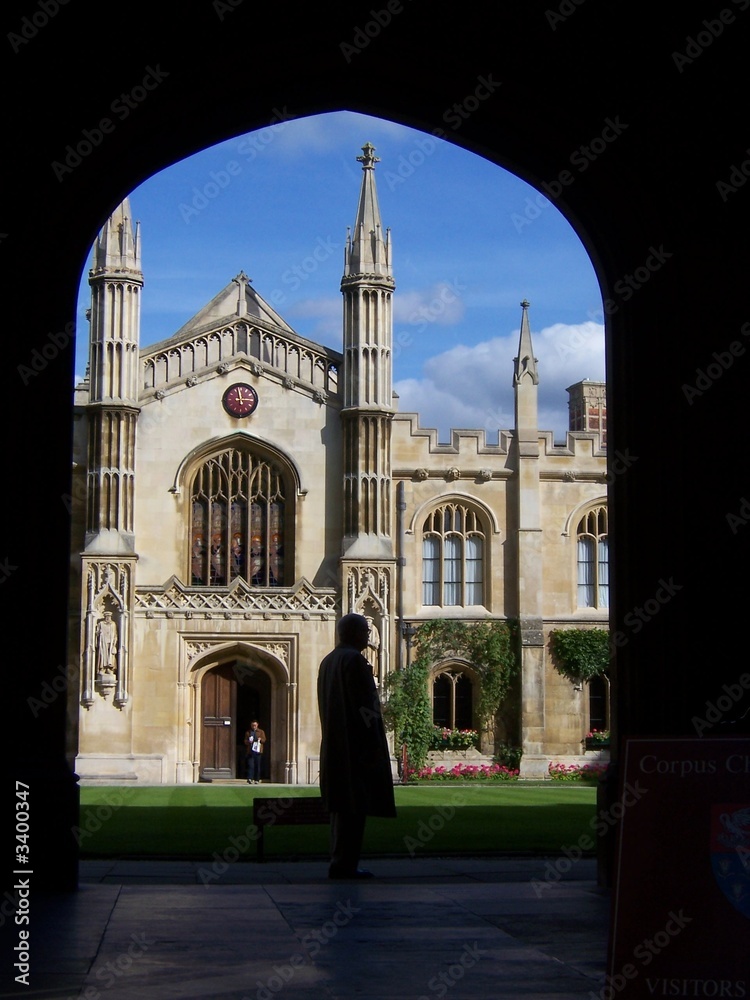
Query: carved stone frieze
[{"x": 238, "y": 600}]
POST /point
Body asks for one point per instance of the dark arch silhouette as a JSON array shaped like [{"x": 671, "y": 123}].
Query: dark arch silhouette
[{"x": 662, "y": 207}]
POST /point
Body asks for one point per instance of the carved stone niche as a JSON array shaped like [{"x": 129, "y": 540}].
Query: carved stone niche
[{"x": 105, "y": 623}]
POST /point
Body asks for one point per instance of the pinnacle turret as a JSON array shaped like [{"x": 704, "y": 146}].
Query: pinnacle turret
[
  {"x": 525, "y": 363},
  {"x": 118, "y": 246},
  {"x": 368, "y": 249},
  {"x": 367, "y": 287}
]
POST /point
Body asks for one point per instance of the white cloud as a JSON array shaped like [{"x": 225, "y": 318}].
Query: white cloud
[
  {"x": 317, "y": 133},
  {"x": 472, "y": 386}
]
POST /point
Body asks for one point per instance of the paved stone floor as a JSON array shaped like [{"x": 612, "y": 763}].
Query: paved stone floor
[{"x": 423, "y": 928}]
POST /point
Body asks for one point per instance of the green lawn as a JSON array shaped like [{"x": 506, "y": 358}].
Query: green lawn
[{"x": 202, "y": 821}]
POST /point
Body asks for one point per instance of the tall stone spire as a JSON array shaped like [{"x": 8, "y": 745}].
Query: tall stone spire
[
  {"x": 525, "y": 383},
  {"x": 367, "y": 250},
  {"x": 367, "y": 286},
  {"x": 116, "y": 281}
]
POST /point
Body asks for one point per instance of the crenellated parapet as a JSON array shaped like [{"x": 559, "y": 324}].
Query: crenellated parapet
[{"x": 466, "y": 446}]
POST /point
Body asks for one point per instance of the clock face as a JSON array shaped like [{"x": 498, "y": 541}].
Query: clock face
[{"x": 240, "y": 400}]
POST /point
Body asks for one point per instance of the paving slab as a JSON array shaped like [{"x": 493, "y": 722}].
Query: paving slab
[{"x": 422, "y": 929}]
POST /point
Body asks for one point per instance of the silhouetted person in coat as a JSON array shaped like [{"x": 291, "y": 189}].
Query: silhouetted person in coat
[{"x": 355, "y": 765}]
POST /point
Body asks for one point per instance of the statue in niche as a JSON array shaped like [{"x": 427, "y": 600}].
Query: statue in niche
[
  {"x": 106, "y": 644},
  {"x": 372, "y": 650}
]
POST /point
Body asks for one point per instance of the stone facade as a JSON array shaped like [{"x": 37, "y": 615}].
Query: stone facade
[{"x": 238, "y": 487}]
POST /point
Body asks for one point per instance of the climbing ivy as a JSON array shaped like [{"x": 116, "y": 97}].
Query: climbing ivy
[
  {"x": 580, "y": 654},
  {"x": 492, "y": 650}
]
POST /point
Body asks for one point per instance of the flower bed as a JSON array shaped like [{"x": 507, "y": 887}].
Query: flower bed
[
  {"x": 577, "y": 772},
  {"x": 453, "y": 739},
  {"x": 465, "y": 772}
]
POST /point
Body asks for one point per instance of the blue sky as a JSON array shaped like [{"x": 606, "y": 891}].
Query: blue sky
[{"x": 470, "y": 239}]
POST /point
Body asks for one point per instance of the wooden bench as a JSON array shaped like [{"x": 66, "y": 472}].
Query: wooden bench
[{"x": 287, "y": 811}]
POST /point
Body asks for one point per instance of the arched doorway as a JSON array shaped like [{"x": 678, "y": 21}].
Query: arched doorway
[{"x": 231, "y": 696}]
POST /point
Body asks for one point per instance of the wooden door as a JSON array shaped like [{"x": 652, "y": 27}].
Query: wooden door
[{"x": 219, "y": 703}]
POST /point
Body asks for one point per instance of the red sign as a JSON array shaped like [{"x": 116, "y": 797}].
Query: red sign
[{"x": 681, "y": 907}]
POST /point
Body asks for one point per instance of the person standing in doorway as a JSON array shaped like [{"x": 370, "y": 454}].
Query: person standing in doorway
[
  {"x": 355, "y": 763},
  {"x": 255, "y": 739}
]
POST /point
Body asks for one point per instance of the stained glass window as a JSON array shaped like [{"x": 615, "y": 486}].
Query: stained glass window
[{"x": 237, "y": 521}]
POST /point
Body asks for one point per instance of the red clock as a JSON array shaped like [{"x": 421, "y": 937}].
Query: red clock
[{"x": 240, "y": 400}]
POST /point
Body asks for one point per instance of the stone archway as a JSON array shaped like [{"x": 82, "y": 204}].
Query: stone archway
[{"x": 227, "y": 687}]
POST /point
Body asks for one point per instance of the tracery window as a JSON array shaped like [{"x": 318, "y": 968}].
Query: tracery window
[
  {"x": 237, "y": 524},
  {"x": 593, "y": 559},
  {"x": 452, "y": 695},
  {"x": 453, "y": 557}
]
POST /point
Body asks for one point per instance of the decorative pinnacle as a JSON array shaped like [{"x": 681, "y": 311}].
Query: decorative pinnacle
[
  {"x": 525, "y": 304},
  {"x": 368, "y": 161}
]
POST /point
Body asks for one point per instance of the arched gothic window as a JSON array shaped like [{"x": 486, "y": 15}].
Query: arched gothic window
[
  {"x": 599, "y": 702},
  {"x": 593, "y": 559},
  {"x": 237, "y": 521},
  {"x": 452, "y": 695},
  {"x": 453, "y": 557}
]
